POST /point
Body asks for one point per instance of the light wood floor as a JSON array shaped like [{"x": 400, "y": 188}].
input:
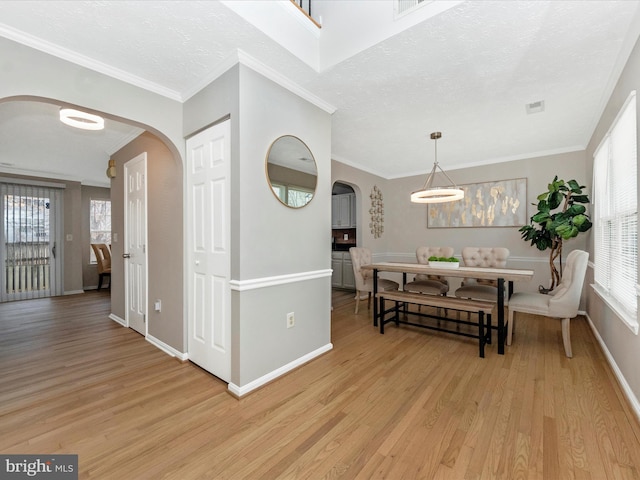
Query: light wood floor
[{"x": 409, "y": 404}]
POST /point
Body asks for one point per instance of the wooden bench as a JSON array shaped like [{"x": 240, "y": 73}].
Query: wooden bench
[{"x": 478, "y": 307}]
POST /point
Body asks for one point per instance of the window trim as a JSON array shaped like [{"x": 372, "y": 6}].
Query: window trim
[
  {"x": 626, "y": 316},
  {"x": 91, "y": 253}
]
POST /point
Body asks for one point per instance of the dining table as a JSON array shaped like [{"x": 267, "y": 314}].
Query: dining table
[{"x": 500, "y": 275}]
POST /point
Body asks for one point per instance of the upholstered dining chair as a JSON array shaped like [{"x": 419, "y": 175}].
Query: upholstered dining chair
[
  {"x": 429, "y": 284},
  {"x": 361, "y": 256},
  {"x": 482, "y": 289},
  {"x": 103, "y": 257},
  {"x": 562, "y": 302}
]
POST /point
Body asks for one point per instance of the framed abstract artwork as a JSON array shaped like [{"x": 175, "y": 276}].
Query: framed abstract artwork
[{"x": 502, "y": 203}]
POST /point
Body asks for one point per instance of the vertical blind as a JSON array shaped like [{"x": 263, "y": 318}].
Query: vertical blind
[
  {"x": 28, "y": 242},
  {"x": 616, "y": 210}
]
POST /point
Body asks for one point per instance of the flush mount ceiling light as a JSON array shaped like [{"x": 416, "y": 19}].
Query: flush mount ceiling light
[
  {"x": 79, "y": 119},
  {"x": 430, "y": 194}
]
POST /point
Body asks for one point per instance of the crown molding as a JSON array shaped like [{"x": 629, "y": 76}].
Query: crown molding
[
  {"x": 84, "y": 61},
  {"x": 243, "y": 58}
]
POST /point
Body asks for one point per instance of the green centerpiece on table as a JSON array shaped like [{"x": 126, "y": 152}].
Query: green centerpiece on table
[{"x": 444, "y": 262}]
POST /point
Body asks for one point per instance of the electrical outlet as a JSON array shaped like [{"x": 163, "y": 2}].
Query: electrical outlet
[{"x": 291, "y": 321}]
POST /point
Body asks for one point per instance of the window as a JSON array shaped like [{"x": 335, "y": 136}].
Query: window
[
  {"x": 616, "y": 215},
  {"x": 99, "y": 223},
  {"x": 293, "y": 196}
]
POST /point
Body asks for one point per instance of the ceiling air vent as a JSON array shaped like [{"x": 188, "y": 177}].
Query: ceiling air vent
[
  {"x": 535, "y": 107},
  {"x": 405, "y": 6}
]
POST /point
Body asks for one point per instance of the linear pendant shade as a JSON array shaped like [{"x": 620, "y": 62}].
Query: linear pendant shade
[{"x": 431, "y": 194}]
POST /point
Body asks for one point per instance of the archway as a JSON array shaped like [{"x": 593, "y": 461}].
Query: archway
[{"x": 165, "y": 175}]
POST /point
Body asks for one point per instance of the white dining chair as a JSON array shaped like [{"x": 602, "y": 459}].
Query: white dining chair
[{"x": 562, "y": 302}]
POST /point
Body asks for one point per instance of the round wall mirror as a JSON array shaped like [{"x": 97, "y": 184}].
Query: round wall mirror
[{"x": 291, "y": 171}]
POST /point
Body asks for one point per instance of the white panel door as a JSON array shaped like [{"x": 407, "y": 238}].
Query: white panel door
[
  {"x": 208, "y": 255},
  {"x": 135, "y": 237}
]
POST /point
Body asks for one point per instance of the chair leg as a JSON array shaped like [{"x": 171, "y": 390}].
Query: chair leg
[
  {"x": 100, "y": 277},
  {"x": 566, "y": 337},
  {"x": 510, "y": 320},
  {"x": 357, "y": 300}
]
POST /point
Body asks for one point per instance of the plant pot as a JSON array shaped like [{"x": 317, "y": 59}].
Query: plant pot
[{"x": 444, "y": 264}]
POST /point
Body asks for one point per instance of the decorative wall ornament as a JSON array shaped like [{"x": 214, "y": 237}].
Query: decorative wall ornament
[
  {"x": 502, "y": 203},
  {"x": 377, "y": 212}
]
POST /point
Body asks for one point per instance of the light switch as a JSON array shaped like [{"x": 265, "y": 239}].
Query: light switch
[
  {"x": 69, "y": 237},
  {"x": 115, "y": 237}
]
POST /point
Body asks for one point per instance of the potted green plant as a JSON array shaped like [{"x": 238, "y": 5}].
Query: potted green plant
[
  {"x": 561, "y": 215},
  {"x": 444, "y": 262}
]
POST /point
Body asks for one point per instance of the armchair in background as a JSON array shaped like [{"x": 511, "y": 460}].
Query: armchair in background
[
  {"x": 482, "y": 289},
  {"x": 361, "y": 256},
  {"x": 429, "y": 284}
]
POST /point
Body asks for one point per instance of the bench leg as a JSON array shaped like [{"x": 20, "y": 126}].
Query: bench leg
[
  {"x": 481, "y": 333},
  {"x": 397, "y": 312},
  {"x": 488, "y": 328},
  {"x": 382, "y": 308}
]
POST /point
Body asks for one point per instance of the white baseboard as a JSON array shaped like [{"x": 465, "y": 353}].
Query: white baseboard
[
  {"x": 240, "y": 391},
  {"x": 73, "y": 292},
  {"x": 168, "y": 349},
  {"x": 117, "y": 319},
  {"x": 626, "y": 389}
]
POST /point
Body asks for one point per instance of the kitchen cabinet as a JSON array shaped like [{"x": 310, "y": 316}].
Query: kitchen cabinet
[
  {"x": 342, "y": 276},
  {"x": 343, "y": 211}
]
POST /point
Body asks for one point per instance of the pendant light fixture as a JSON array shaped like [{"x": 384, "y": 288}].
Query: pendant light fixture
[{"x": 431, "y": 194}]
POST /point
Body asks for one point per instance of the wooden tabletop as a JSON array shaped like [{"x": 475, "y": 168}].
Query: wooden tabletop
[{"x": 508, "y": 274}]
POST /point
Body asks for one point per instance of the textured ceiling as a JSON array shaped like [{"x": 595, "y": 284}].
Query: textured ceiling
[{"x": 468, "y": 72}]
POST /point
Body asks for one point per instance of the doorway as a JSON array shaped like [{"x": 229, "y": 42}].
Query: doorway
[
  {"x": 343, "y": 235},
  {"x": 135, "y": 241},
  {"x": 208, "y": 255}
]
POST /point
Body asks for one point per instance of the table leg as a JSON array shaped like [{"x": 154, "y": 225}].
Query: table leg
[
  {"x": 375, "y": 297},
  {"x": 501, "y": 334}
]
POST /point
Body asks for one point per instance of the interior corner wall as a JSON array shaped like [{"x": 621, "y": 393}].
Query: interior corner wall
[
  {"x": 620, "y": 342},
  {"x": 89, "y": 270},
  {"x": 164, "y": 238},
  {"x": 275, "y": 240},
  {"x": 218, "y": 100},
  {"x": 268, "y": 239}
]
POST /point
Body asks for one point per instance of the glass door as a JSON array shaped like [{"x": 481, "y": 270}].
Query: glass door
[{"x": 30, "y": 252}]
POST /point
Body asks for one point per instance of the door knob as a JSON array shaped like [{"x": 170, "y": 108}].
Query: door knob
[{"x": 126, "y": 255}]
